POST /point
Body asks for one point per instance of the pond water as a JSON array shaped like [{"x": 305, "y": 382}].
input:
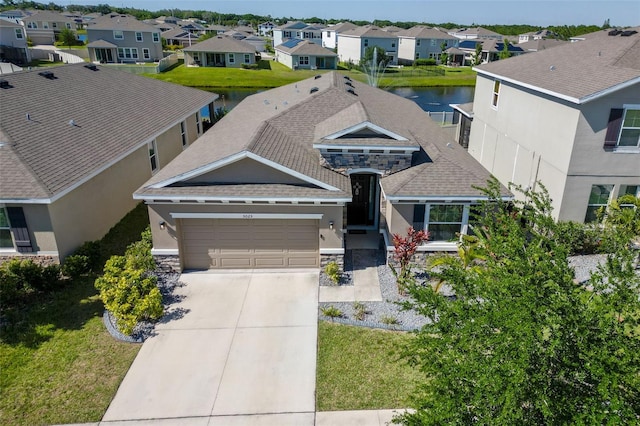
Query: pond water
[{"x": 435, "y": 99}]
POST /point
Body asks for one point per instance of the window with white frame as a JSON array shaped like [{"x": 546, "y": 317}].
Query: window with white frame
[
  {"x": 54, "y": 25},
  {"x": 232, "y": 58},
  {"x": 153, "y": 155},
  {"x": 303, "y": 60},
  {"x": 630, "y": 131},
  {"x": 118, "y": 35},
  {"x": 629, "y": 190},
  {"x": 247, "y": 58},
  {"x": 198, "y": 124},
  {"x": 417, "y": 55},
  {"x": 599, "y": 198},
  {"x": 434, "y": 42},
  {"x": 19, "y": 34},
  {"x": 138, "y": 36},
  {"x": 418, "y": 42},
  {"x": 68, "y": 25},
  {"x": 156, "y": 37},
  {"x": 5, "y": 230},
  {"x": 32, "y": 25},
  {"x": 366, "y": 42},
  {"x": 443, "y": 221},
  {"x": 45, "y": 25},
  {"x": 183, "y": 133},
  {"x": 145, "y": 53},
  {"x": 496, "y": 93},
  {"x": 127, "y": 52}
]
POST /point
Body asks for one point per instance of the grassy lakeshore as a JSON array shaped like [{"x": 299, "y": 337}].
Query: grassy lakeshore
[{"x": 273, "y": 74}]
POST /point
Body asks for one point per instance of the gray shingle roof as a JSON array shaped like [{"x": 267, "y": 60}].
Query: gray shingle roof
[
  {"x": 306, "y": 47},
  {"x": 114, "y": 112},
  {"x": 369, "y": 31},
  {"x": 422, "y": 32},
  {"x": 48, "y": 16},
  {"x": 222, "y": 43},
  {"x": 115, "y": 21},
  {"x": 578, "y": 71},
  {"x": 281, "y": 126}
]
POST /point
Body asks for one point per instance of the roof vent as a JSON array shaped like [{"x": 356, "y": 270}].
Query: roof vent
[
  {"x": 47, "y": 74},
  {"x": 317, "y": 77},
  {"x": 348, "y": 83},
  {"x": 352, "y": 92},
  {"x": 313, "y": 90},
  {"x": 614, "y": 32},
  {"x": 346, "y": 77},
  {"x": 552, "y": 68},
  {"x": 4, "y": 84},
  {"x": 91, "y": 67},
  {"x": 628, "y": 33}
]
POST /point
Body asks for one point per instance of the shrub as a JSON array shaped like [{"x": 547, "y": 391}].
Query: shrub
[
  {"x": 580, "y": 238},
  {"x": 20, "y": 278},
  {"x": 424, "y": 62},
  {"x": 405, "y": 248},
  {"x": 91, "y": 249},
  {"x": 360, "y": 310},
  {"x": 127, "y": 288},
  {"x": 333, "y": 272},
  {"x": 75, "y": 266},
  {"x": 331, "y": 312},
  {"x": 250, "y": 66},
  {"x": 389, "y": 320}
]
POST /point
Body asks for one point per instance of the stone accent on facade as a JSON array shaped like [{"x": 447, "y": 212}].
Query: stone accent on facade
[
  {"x": 43, "y": 260},
  {"x": 168, "y": 263},
  {"x": 387, "y": 162},
  {"x": 328, "y": 258}
]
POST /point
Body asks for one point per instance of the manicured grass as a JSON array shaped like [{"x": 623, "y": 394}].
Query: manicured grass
[
  {"x": 58, "y": 364},
  {"x": 358, "y": 369},
  {"x": 273, "y": 74}
]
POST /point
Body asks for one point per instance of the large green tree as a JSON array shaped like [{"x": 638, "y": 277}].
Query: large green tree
[{"x": 522, "y": 342}]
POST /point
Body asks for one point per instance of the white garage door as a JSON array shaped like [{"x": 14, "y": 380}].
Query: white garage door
[{"x": 249, "y": 243}]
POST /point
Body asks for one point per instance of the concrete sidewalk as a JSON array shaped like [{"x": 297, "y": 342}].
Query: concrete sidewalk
[{"x": 322, "y": 418}]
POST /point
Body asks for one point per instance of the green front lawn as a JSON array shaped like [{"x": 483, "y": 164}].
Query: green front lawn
[
  {"x": 358, "y": 370},
  {"x": 58, "y": 364},
  {"x": 273, "y": 74}
]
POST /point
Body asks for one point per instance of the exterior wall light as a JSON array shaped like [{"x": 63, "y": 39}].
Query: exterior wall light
[
  {"x": 163, "y": 225},
  {"x": 330, "y": 224}
]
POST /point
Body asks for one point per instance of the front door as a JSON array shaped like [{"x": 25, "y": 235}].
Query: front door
[{"x": 362, "y": 211}]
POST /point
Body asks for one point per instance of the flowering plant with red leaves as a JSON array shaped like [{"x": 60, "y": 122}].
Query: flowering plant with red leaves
[{"x": 405, "y": 248}]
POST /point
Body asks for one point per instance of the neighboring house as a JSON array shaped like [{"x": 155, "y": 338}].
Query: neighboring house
[
  {"x": 179, "y": 37},
  {"x": 244, "y": 29},
  {"x": 299, "y": 30},
  {"x": 475, "y": 33},
  {"x": 117, "y": 38},
  {"x": 422, "y": 42},
  {"x": 265, "y": 29},
  {"x": 13, "y": 43},
  {"x": 258, "y": 43},
  {"x": 303, "y": 54},
  {"x": 330, "y": 34},
  {"x": 15, "y": 16},
  {"x": 352, "y": 44},
  {"x": 216, "y": 29},
  {"x": 220, "y": 51},
  {"x": 327, "y": 157},
  {"x": 491, "y": 50},
  {"x": 536, "y": 35},
  {"x": 45, "y": 26},
  {"x": 568, "y": 117},
  {"x": 70, "y": 163},
  {"x": 540, "y": 44}
]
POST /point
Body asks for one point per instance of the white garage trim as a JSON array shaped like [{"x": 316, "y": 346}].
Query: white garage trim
[
  {"x": 164, "y": 252},
  {"x": 245, "y": 216},
  {"x": 331, "y": 251}
]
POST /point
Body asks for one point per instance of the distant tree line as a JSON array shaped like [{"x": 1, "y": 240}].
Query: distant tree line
[{"x": 232, "y": 19}]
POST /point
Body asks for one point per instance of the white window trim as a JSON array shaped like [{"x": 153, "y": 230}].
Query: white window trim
[
  {"x": 141, "y": 39},
  {"x": 13, "y": 247},
  {"x": 155, "y": 37},
  {"x": 116, "y": 33},
  {"x": 183, "y": 134},
  {"x": 198, "y": 123},
  {"x": 495, "y": 96},
  {"x": 153, "y": 158},
  {"x": 231, "y": 58},
  {"x": 146, "y": 53},
  {"x": 19, "y": 34},
  {"x": 132, "y": 51},
  {"x": 464, "y": 224},
  {"x": 247, "y": 58},
  {"x": 618, "y": 147}
]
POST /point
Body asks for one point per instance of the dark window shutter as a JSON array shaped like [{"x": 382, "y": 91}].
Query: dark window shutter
[
  {"x": 19, "y": 229},
  {"x": 613, "y": 128},
  {"x": 418, "y": 216}
]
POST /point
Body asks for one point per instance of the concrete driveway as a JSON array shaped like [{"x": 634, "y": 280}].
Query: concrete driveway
[{"x": 237, "y": 348}]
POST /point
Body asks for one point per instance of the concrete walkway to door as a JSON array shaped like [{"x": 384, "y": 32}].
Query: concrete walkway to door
[{"x": 238, "y": 348}]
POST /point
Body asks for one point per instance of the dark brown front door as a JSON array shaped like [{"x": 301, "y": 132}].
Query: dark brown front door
[{"x": 362, "y": 210}]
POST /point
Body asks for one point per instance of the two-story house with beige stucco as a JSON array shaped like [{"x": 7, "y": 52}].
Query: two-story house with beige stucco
[
  {"x": 353, "y": 44},
  {"x": 568, "y": 117}
]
